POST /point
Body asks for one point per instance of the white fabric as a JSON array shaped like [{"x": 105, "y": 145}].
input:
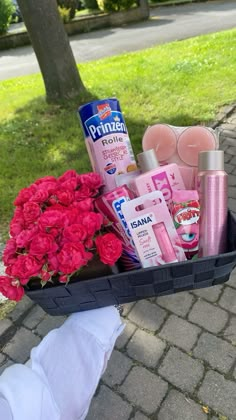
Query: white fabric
[{"x": 65, "y": 371}]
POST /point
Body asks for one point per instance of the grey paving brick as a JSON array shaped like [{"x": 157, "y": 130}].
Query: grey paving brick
[
  {"x": 229, "y": 169},
  {"x": 139, "y": 416},
  {"x": 232, "y": 150},
  {"x": 218, "y": 353},
  {"x": 7, "y": 363},
  {"x": 20, "y": 308},
  {"x": 211, "y": 317},
  {"x": 117, "y": 368},
  {"x": 180, "y": 332},
  {"x": 178, "y": 407},
  {"x": 2, "y": 358},
  {"x": 34, "y": 317},
  {"x": 5, "y": 324},
  {"x": 108, "y": 405},
  {"x": 209, "y": 293},
  {"x": 127, "y": 308},
  {"x": 49, "y": 323},
  {"x": 181, "y": 370},
  {"x": 126, "y": 334},
  {"x": 146, "y": 348},
  {"x": 228, "y": 299},
  {"x": 231, "y": 177},
  {"x": 147, "y": 315},
  {"x": 178, "y": 303},
  {"x": 144, "y": 389},
  {"x": 232, "y": 280},
  {"x": 219, "y": 394},
  {"x": 230, "y": 331},
  {"x": 19, "y": 347},
  {"x": 232, "y": 203},
  {"x": 231, "y": 190}
]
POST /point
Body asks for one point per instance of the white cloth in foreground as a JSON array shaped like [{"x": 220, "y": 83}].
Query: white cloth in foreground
[{"x": 65, "y": 369}]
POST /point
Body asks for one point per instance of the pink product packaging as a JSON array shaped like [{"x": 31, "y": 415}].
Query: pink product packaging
[
  {"x": 127, "y": 179},
  {"x": 185, "y": 212},
  {"x": 152, "y": 230},
  {"x": 155, "y": 177},
  {"x": 180, "y": 145},
  {"x": 109, "y": 204},
  {"x": 107, "y": 140}
]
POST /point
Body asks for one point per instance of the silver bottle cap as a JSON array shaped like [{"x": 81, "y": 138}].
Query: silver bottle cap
[
  {"x": 148, "y": 160},
  {"x": 211, "y": 160}
]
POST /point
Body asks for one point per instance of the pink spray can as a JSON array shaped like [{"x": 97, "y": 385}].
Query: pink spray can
[
  {"x": 213, "y": 196},
  {"x": 109, "y": 205}
]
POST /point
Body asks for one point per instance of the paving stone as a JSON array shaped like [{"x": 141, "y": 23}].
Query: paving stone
[
  {"x": 232, "y": 203},
  {"x": 228, "y": 299},
  {"x": 147, "y": 315},
  {"x": 181, "y": 370},
  {"x": 218, "y": 353},
  {"x": 2, "y": 358},
  {"x": 146, "y": 348},
  {"x": 230, "y": 331},
  {"x": 229, "y": 169},
  {"x": 108, "y": 405},
  {"x": 232, "y": 280},
  {"x": 178, "y": 303},
  {"x": 232, "y": 150},
  {"x": 209, "y": 293},
  {"x": 144, "y": 389},
  {"x": 227, "y": 158},
  {"x": 20, "y": 308},
  {"x": 5, "y": 365},
  {"x": 125, "y": 335},
  {"x": 19, "y": 347},
  {"x": 5, "y": 324},
  {"x": 180, "y": 332},
  {"x": 232, "y": 178},
  {"x": 219, "y": 394},
  {"x": 211, "y": 317},
  {"x": 234, "y": 373},
  {"x": 49, "y": 323},
  {"x": 139, "y": 416},
  {"x": 117, "y": 368},
  {"x": 178, "y": 407},
  {"x": 127, "y": 308},
  {"x": 231, "y": 190},
  {"x": 34, "y": 317}
]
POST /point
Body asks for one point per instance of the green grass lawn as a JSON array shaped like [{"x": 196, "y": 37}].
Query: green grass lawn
[{"x": 182, "y": 83}]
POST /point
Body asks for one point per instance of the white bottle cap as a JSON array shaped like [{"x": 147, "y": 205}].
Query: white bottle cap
[
  {"x": 147, "y": 160},
  {"x": 211, "y": 160}
]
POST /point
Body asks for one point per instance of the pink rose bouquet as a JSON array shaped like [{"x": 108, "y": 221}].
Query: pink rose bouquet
[{"x": 55, "y": 232}]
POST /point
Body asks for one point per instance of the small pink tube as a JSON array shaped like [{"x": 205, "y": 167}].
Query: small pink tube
[{"x": 166, "y": 247}]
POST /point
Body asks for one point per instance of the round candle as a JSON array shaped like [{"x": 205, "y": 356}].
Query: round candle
[
  {"x": 162, "y": 139},
  {"x": 194, "y": 140}
]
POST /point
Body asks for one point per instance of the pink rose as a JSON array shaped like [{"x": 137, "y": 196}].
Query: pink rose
[
  {"x": 71, "y": 173},
  {"x": 72, "y": 257},
  {"x": 65, "y": 197},
  {"x": 53, "y": 265},
  {"x": 109, "y": 248},
  {"x": 84, "y": 205},
  {"x": 51, "y": 219},
  {"x": 40, "y": 196},
  {"x": 47, "y": 178},
  {"x": 9, "y": 253},
  {"x": 17, "y": 223},
  {"x": 75, "y": 233},
  {"x": 93, "y": 222},
  {"x": 43, "y": 244},
  {"x": 63, "y": 278},
  {"x": 25, "y": 267},
  {"x": 25, "y": 236},
  {"x": 24, "y": 195},
  {"x": 83, "y": 192},
  {"x": 71, "y": 184},
  {"x": 45, "y": 275},
  {"x": 49, "y": 186},
  {"x": 31, "y": 212},
  {"x": 89, "y": 243},
  {"x": 92, "y": 180},
  {"x": 11, "y": 288}
]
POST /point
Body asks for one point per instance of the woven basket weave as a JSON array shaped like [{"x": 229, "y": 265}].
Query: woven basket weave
[{"x": 139, "y": 284}]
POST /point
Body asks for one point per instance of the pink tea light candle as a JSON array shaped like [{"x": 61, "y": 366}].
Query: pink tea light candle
[{"x": 180, "y": 145}]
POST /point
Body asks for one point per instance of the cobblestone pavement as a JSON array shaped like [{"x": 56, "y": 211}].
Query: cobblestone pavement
[{"x": 176, "y": 359}]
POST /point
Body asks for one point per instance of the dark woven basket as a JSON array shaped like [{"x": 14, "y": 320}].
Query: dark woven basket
[{"x": 139, "y": 284}]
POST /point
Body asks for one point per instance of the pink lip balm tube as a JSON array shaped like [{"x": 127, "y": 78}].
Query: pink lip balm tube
[{"x": 164, "y": 242}]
